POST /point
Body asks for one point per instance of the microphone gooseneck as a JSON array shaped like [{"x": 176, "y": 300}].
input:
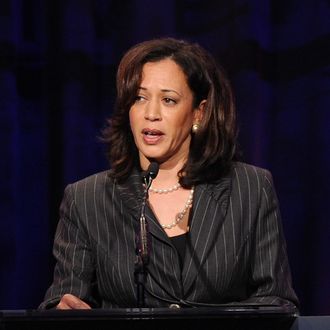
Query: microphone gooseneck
[
  {"x": 148, "y": 176},
  {"x": 142, "y": 248}
]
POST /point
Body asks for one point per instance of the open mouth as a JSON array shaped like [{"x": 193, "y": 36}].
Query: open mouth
[{"x": 152, "y": 136}]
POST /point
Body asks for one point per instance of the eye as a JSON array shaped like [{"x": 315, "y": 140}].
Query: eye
[
  {"x": 169, "y": 101},
  {"x": 139, "y": 98}
]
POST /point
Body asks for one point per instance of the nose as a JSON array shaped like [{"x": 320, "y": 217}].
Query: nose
[{"x": 152, "y": 111}]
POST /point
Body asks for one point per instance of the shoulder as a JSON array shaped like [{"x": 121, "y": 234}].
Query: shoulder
[
  {"x": 243, "y": 186},
  {"x": 250, "y": 176},
  {"x": 90, "y": 183},
  {"x": 249, "y": 169}
]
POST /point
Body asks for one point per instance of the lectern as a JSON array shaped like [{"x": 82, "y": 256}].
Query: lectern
[{"x": 201, "y": 318}]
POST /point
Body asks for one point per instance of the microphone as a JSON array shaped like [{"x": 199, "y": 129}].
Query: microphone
[
  {"x": 150, "y": 173},
  {"x": 142, "y": 249}
]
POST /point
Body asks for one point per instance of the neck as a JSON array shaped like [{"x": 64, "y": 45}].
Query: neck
[{"x": 168, "y": 172}]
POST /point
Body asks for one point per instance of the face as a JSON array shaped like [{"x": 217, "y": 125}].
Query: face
[{"x": 162, "y": 115}]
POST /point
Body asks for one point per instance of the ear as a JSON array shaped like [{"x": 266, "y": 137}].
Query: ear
[{"x": 199, "y": 112}]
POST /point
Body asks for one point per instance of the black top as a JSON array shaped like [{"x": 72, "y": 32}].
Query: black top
[{"x": 179, "y": 242}]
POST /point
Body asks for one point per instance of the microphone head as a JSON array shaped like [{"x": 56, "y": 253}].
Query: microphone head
[{"x": 153, "y": 169}]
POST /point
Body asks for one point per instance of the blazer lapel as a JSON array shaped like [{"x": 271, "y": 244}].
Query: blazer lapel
[
  {"x": 209, "y": 210},
  {"x": 131, "y": 193}
]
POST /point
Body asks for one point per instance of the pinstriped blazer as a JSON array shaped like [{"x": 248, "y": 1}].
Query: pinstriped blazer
[{"x": 235, "y": 249}]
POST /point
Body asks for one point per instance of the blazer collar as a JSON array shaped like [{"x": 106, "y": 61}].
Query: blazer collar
[{"x": 131, "y": 191}]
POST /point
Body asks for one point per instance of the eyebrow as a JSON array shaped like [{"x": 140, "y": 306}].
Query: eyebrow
[{"x": 163, "y": 90}]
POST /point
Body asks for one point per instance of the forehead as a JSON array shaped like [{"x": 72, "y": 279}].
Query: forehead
[{"x": 165, "y": 71}]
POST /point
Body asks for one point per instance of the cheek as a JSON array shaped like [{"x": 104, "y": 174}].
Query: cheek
[
  {"x": 182, "y": 127},
  {"x": 130, "y": 116},
  {"x": 134, "y": 127},
  {"x": 185, "y": 122},
  {"x": 132, "y": 120}
]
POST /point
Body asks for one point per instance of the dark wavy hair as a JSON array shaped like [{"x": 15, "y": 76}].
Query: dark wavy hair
[{"x": 213, "y": 147}]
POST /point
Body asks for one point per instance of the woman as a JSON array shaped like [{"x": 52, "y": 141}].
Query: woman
[{"x": 214, "y": 225}]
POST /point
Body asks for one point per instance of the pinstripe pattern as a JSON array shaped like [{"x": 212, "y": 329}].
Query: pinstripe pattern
[{"x": 235, "y": 249}]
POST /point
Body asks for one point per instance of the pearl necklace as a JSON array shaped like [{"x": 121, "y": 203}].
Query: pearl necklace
[
  {"x": 165, "y": 191},
  {"x": 181, "y": 214}
]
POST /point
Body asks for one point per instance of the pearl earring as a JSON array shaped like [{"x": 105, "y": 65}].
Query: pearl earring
[{"x": 195, "y": 128}]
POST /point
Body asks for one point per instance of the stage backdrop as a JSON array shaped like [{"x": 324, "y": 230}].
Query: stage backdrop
[{"x": 57, "y": 66}]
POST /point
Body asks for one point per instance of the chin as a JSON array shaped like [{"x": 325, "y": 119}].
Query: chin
[
  {"x": 155, "y": 157},
  {"x": 154, "y": 154}
]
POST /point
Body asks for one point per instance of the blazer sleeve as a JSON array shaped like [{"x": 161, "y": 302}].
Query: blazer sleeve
[
  {"x": 270, "y": 275},
  {"x": 74, "y": 271}
]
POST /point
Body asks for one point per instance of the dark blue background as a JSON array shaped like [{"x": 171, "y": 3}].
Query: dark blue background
[{"x": 57, "y": 65}]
